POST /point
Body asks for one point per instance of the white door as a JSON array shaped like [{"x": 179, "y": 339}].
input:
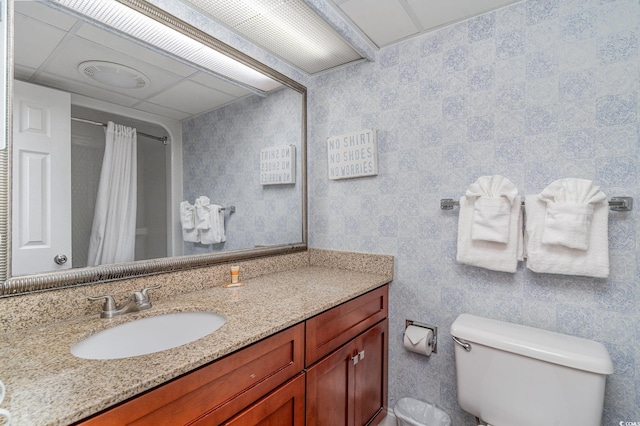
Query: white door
[{"x": 41, "y": 214}]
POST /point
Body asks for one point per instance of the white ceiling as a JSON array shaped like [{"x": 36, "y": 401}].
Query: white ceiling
[
  {"x": 50, "y": 45},
  {"x": 388, "y": 21}
]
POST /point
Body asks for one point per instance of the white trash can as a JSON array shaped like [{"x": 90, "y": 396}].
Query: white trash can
[{"x": 413, "y": 412}]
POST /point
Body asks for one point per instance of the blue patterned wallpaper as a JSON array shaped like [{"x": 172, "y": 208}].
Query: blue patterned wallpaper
[
  {"x": 221, "y": 159},
  {"x": 536, "y": 91}
]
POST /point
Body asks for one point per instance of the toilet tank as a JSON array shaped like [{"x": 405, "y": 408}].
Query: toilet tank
[{"x": 516, "y": 375}]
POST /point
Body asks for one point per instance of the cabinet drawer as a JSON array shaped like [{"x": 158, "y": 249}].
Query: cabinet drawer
[
  {"x": 221, "y": 388},
  {"x": 331, "y": 329},
  {"x": 282, "y": 407}
]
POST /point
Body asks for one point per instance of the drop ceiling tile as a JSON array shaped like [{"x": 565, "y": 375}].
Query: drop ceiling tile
[
  {"x": 191, "y": 97},
  {"x": 133, "y": 50},
  {"x": 34, "y": 41},
  {"x": 62, "y": 83},
  {"x": 45, "y": 14},
  {"x": 433, "y": 14},
  {"x": 383, "y": 21},
  {"x": 220, "y": 85},
  {"x": 162, "y": 111},
  {"x": 79, "y": 50}
]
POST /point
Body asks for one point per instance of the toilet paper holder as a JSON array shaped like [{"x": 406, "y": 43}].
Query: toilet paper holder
[{"x": 434, "y": 329}]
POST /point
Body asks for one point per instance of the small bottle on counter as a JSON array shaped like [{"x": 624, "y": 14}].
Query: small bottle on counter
[{"x": 235, "y": 273}]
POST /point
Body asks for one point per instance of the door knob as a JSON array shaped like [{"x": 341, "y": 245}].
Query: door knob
[{"x": 60, "y": 259}]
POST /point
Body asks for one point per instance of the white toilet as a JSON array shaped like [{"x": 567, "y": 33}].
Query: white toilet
[{"x": 514, "y": 375}]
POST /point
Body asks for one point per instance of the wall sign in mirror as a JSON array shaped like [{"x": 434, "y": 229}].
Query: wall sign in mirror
[
  {"x": 278, "y": 165},
  {"x": 352, "y": 155},
  {"x": 214, "y": 125}
]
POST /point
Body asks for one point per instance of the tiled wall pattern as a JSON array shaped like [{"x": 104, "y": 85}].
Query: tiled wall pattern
[
  {"x": 221, "y": 160},
  {"x": 537, "y": 91}
]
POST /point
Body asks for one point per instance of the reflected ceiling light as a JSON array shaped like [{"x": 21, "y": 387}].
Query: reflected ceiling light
[
  {"x": 287, "y": 28},
  {"x": 151, "y": 32}
]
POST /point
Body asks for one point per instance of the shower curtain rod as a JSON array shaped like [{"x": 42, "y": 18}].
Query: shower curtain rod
[{"x": 163, "y": 139}]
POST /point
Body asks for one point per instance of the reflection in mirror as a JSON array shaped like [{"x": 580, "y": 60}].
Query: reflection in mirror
[{"x": 68, "y": 68}]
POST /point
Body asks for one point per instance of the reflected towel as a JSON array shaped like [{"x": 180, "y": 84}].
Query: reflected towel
[
  {"x": 203, "y": 218},
  {"x": 215, "y": 233},
  {"x": 188, "y": 221}
]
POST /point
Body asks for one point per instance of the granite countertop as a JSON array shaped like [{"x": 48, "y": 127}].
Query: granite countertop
[{"x": 46, "y": 385}]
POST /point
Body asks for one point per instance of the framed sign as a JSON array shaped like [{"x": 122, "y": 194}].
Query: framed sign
[
  {"x": 352, "y": 155},
  {"x": 278, "y": 165}
]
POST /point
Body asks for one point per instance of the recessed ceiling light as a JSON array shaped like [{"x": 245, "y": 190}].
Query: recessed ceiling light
[{"x": 113, "y": 75}]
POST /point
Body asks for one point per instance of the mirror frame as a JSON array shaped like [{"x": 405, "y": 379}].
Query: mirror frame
[{"x": 13, "y": 286}]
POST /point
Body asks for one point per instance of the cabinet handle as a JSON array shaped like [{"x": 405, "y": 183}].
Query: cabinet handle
[
  {"x": 361, "y": 354},
  {"x": 355, "y": 359}
]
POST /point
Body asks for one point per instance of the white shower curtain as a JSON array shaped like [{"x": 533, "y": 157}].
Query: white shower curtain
[{"x": 113, "y": 233}]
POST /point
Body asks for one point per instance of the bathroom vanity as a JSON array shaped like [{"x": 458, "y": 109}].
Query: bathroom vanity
[
  {"x": 295, "y": 343},
  {"x": 342, "y": 352}
]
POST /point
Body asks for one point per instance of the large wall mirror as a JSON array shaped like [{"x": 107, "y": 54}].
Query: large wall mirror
[{"x": 218, "y": 172}]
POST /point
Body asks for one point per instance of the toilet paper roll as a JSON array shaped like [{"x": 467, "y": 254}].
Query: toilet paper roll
[{"x": 416, "y": 339}]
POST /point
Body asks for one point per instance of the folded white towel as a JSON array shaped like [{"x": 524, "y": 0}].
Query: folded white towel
[
  {"x": 570, "y": 205},
  {"x": 215, "y": 233},
  {"x": 559, "y": 259},
  {"x": 492, "y": 197},
  {"x": 188, "y": 221},
  {"x": 490, "y": 254},
  {"x": 203, "y": 218}
]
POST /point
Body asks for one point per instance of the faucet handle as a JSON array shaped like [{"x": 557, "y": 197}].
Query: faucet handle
[
  {"x": 143, "y": 295},
  {"x": 109, "y": 302}
]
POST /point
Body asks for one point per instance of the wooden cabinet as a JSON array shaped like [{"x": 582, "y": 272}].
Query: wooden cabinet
[
  {"x": 349, "y": 385},
  {"x": 218, "y": 390},
  {"x": 284, "y": 406},
  {"x": 333, "y": 328},
  {"x": 343, "y": 349}
]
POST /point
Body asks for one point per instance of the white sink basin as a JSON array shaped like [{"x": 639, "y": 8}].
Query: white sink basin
[{"x": 148, "y": 335}]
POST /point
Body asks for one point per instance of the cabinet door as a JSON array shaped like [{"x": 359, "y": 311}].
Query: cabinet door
[
  {"x": 349, "y": 386},
  {"x": 371, "y": 374},
  {"x": 282, "y": 407},
  {"x": 330, "y": 389}
]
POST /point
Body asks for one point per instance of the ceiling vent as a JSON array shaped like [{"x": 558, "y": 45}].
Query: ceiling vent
[{"x": 113, "y": 75}]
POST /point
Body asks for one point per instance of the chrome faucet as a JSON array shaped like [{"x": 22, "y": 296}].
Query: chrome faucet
[{"x": 139, "y": 301}]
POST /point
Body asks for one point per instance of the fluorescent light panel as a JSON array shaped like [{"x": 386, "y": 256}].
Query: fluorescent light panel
[
  {"x": 150, "y": 31},
  {"x": 287, "y": 28}
]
